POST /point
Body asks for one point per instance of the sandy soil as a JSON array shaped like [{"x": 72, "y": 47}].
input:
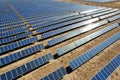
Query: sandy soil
[{"x": 114, "y": 4}]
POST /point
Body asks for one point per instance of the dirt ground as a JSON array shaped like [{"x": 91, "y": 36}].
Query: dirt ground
[
  {"x": 84, "y": 72},
  {"x": 114, "y": 4}
]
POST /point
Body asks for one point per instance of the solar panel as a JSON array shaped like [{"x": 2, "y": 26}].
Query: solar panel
[
  {"x": 58, "y": 19},
  {"x": 11, "y": 23},
  {"x": 53, "y": 18},
  {"x": 16, "y": 37},
  {"x": 108, "y": 15},
  {"x": 65, "y": 16},
  {"x": 75, "y": 63},
  {"x": 94, "y": 10},
  {"x": 79, "y": 42},
  {"x": 13, "y": 32},
  {"x": 113, "y": 10},
  {"x": 67, "y": 28},
  {"x": 18, "y": 44},
  {"x": 106, "y": 71},
  {"x": 114, "y": 18},
  {"x": 41, "y": 30},
  {"x": 11, "y": 27},
  {"x": 56, "y": 75},
  {"x": 21, "y": 54},
  {"x": 99, "y": 11},
  {"x": 10, "y": 75}
]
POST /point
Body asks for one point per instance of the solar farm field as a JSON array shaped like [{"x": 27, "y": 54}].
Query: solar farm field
[{"x": 59, "y": 40}]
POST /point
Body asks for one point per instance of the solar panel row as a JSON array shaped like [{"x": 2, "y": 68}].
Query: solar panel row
[
  {"x": 61, "y": 24},
  {"x": 75, "y": 63},
  {"x": 17, "y": 31},
  {"x": 67, "y": 28},
  {"x": 22, "y": 25},
  {"x": 66, "y": 24},
  {"x": 47, "y": 17},
  {"x": 108, "y": 15},
  {"x": 41, "y": 25},
  {"x": 75, "y": 33},
  {"x": 55, "y": 18},
  {"x": 14, "y": 45},
  {"x": 15, "y": 37},
  {"x": 99, "y": 11},
  {"x": 46, "y": 24},
  {"x": 25, "y": 68},
  {"x": 8, "y": 28},
  {"x": 21, "y": 54},
  {"x": 50, "y": 23},
  {"x": 59, "y": 17},
  {"x": 12, "y": 38},
  {"x": 104, "y": 73},
  {"x": 56, "y": 75},
  {"x": 40, "y": 17},
  {"x": 75, "y": 44},
  {"x": 114, "y": 18},
  {"x": 57, "y": 21},
  {"x": 110, "y": 11},
  {"x": 11, "y": 24},
  {"x": 89, "y": 11},
  {"x": 9, "y": 18},
  {"x": 23, "y": 35}
]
